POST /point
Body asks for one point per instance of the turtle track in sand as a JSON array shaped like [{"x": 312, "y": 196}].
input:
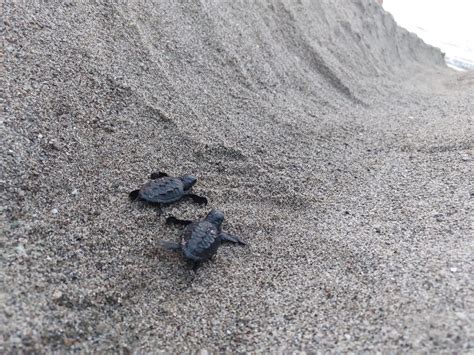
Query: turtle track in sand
[{"x": 336, "y": 143}]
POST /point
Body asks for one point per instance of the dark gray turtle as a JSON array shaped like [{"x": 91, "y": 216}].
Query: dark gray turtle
[
  {"x": 200, "y": 240},
  {"x": 164, "y": 189}
]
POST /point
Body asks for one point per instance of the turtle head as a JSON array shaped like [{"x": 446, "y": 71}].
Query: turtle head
[
  {"x": 216, "y": 217},
  {"x": 188, "y": 181}
]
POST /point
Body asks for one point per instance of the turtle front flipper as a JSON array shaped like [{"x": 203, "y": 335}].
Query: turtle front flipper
[
  {"x": 157, "y": 175},
  {"x": 134, "y": 195},
  {"x": 178, "y": 222},
  {"x": 196, "y": 265},
  {"x": 197, "y": 199},
  {"x": 226, "y": 237},
  {"x": 172, "y": 246}
]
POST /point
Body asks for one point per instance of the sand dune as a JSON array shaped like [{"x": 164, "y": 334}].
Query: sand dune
[{"x": 338, "y": 145}]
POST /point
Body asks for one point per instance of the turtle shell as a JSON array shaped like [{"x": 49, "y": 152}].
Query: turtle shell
[
  {"x": 162, "y": 190},
  {"x": 200, "y": 241}
]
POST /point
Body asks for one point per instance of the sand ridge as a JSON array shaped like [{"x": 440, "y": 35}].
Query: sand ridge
[{"x": 337, "y": 144}]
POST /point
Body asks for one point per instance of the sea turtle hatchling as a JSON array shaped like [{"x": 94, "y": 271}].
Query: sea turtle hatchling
[
  {"x": 200, "y": 239},
  {"x": 163, "y": 190}
]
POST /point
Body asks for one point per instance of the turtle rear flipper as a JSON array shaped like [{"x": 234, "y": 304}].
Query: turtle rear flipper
[
  {"x": 198, "y": 199},
  {"x": 172, "y": 246},
  {"x": 157, "y": 175},
  {"x": 134, "y": 195},
  {"x": 226, "y": 237}
]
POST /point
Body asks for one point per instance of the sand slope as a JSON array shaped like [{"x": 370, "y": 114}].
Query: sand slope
[{"x": 338, "y": 145}]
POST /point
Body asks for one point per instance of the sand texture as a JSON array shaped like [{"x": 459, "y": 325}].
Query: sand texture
[{"x": 338, "y": 145}]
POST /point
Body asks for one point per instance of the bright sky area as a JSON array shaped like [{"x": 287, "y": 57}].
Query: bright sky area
[{"x": 447, "y": 24}]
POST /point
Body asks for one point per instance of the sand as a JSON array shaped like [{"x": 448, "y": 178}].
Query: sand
[{"x": 338, "y": 145}]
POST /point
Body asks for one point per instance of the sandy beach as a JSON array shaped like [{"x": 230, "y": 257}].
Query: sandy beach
[{"x": 339, "y": 146}]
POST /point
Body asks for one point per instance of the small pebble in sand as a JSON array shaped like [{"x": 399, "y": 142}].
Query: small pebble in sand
[
  {"x": 465, "y": 157},
  {"x": 20, "y": 249},
  {"x": 54, "y": 211},
  {"x": 453, "y": 269},
  {"x": 57, "y": 295}
]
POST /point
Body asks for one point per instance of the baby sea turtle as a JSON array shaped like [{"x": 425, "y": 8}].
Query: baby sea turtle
[
  {"x": 200, "y": 240},
  {"x": 164, "y": 189}
]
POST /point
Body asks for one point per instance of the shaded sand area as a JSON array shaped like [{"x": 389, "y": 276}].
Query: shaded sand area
[{"x": 339, "y": 146}]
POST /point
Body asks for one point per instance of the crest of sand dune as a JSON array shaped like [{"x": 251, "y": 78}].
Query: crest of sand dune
[{"x": 338, "y": 145}]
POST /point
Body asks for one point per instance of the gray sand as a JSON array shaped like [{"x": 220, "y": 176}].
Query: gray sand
[{"x": 339, "y": 146}]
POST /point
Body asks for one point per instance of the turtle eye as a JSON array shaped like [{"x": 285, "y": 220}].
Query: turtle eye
[{"x": 189, "y": 180}]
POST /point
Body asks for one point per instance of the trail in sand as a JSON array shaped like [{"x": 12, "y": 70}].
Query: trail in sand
[{"x": 338, "y": 145}]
